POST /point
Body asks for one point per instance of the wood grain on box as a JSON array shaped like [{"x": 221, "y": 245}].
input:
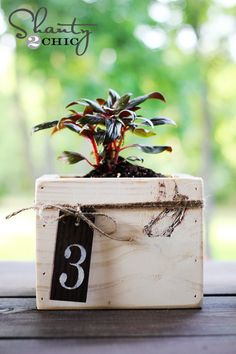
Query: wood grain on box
[{"x": 148, "y": 272}]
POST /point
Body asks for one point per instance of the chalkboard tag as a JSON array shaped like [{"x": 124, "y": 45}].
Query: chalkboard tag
[{"x": 72, "y": 259}]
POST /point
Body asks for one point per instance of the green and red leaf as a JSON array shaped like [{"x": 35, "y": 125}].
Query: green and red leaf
[
  {"x": 99, "y": 136},
  {"x": 134, "y": 158},
  {"x": 92, "y": 119},
  {"x": 126, "y": 114},
  {"x": 147, "y": 121},
  {"x": 143, "y": 132},
  {"x": 94, "y": 105},
  {"x": 73, "y": 126},
  {"x": 138, "y": 100},
  {"x": 71, "y": 157},
  {"x": 154, "y": 149},
  {"x": 101, "y": 101},
  {"x": 113, "y": 130},
  {"x": 88, "y": 110},
  {"x": 113, "y": 96},
  {"x": 43, "y": 126},
  {"x": 74, "y": 103},
  {"x": 160, "y": 121},
  {"x": 149, "y": 149},
  {"x": 122, "y": 102}
]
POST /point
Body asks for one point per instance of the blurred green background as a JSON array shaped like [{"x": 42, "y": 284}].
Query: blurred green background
[{"x": 184, "y": 48}]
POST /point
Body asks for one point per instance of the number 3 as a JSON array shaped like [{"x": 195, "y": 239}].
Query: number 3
[{"x": 80, "y": 279}]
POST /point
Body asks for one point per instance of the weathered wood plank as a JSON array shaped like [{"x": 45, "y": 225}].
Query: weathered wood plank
[
  {"x": 160, "y": 265},
  {"x": 20, "y": 319},
  {"x": 149, "y": 189},
  {"x": 18, "y": 278},
  {"x": 183, "y": 345}
]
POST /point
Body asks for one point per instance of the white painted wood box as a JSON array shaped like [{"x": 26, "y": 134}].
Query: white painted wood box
[{"x": 161, "y": 266}]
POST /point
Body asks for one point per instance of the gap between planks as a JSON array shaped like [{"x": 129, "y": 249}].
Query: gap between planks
[{"x": 20, "y": 319}]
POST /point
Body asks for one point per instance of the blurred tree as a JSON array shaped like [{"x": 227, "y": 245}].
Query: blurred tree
[{"x": 184, "y": 48}]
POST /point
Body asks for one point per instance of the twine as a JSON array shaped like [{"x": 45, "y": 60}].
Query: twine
[
  {"x": 73, "y": 210},
  {"x": 77, "y": 212}
]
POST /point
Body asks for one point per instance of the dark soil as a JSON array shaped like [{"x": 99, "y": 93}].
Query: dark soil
[{"x": 123, "y": 169}]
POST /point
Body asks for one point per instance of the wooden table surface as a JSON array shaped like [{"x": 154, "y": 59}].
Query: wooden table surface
[{"x": 23, "y": 329}]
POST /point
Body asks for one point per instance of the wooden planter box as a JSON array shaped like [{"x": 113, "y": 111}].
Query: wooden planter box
[{"x": 159, "y": 267}]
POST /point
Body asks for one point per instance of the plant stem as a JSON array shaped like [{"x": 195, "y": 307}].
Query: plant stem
[
  {"x": 90, "y": 163},
  {"x": 95, "y": 150},
  {"x": 118, "y": 149},
  {"x": 129, "y": 146}
]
